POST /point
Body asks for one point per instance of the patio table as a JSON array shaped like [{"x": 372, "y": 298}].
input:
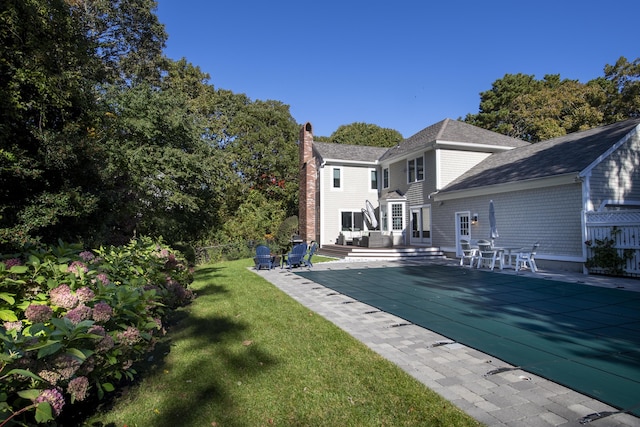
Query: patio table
[{"x": 507, "y": 252}]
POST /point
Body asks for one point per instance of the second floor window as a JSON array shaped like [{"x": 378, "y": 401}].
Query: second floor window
[
  {"x": 415, "y": 169},
  {"x": 336, "y": 178},
  {"x": 385, "y": 178},
  {"x": 374, "y": 180}
]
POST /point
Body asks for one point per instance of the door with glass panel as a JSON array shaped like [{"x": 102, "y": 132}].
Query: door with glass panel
[
  {"x": 463, "y": 229},
  {"x": 421, "y": 225}
]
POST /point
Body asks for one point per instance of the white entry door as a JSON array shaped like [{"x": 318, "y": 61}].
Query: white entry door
[{"x": 463, "y": 229}]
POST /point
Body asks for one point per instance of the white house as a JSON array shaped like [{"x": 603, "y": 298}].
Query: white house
[{"x": 434, "y": 188}]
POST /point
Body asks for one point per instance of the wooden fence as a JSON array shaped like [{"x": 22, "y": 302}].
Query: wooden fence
[{"x": 600, "y": 225}]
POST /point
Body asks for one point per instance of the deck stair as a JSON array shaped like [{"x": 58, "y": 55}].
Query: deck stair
[{"x": 397, "y": 253}]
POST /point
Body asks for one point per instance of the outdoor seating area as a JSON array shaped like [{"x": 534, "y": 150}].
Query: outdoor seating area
[
  {"x": 300, "y": 255},
  {"x": 485, "y": 253}
]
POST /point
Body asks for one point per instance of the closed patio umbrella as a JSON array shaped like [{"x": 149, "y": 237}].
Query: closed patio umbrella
[{"x": 493, "y": 234}]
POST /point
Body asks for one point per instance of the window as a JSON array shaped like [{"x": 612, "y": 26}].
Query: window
[
  {"x": 385, "y": 178},
  {"x": 374, "y": 180},
  {"x": 415, "y": 169},
  {"x": 396, "y": 217},
  {"x": 336, "y": 178},
  {"x": 352, "y": 221}
]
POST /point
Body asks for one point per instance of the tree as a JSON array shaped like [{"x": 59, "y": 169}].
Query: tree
[
  {"x": 625, "y": 78},
  {"x": 523, "y": 107},
  {"x": 366, "y": 134}
]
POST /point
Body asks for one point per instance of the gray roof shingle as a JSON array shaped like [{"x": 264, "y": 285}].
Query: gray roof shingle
[
  {"x": 566, "y": 154},
  {"x": 452, "y": 131},
  {"x": 359, "y": 153}
]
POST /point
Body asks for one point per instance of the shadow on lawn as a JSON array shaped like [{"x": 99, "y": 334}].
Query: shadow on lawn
[{"x": 216, "y": 356}]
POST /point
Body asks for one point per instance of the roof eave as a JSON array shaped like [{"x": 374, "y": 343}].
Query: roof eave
[{"x": 528, "y": 184}]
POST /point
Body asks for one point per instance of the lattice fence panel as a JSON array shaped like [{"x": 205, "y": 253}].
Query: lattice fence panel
[{"x": 599, "y": 226}]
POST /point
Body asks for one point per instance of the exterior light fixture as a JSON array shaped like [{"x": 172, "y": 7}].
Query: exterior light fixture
[{"x": 474, "y": 218}]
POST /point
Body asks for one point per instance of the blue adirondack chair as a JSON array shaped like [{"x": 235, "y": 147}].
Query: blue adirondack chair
[
  {"x": 312, "y": 250},
  {"x": 263, "y": 257},
  {"x": 295, "y": 258}
]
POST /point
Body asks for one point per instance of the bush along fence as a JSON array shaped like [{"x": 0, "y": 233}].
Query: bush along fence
[{"x": 74, "y": 322}]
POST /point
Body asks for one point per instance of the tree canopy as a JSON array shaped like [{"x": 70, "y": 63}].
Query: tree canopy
[
  {"x": 359, "y": 133},
  {"x": 520, "y": 106},
  {"x": 102, "y": 137}
]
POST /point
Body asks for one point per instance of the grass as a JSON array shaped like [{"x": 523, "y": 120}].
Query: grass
[{"x": 246, "y": 354}]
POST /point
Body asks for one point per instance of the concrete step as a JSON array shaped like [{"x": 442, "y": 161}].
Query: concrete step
[{"x": 395, "y": 253}]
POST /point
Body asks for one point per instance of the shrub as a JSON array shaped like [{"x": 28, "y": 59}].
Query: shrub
[
  {"x": 74, "y": 322},
  {"x": 606, "y": 257}
]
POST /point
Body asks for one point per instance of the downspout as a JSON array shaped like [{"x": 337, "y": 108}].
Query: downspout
[{"x": 587, "y": 206}]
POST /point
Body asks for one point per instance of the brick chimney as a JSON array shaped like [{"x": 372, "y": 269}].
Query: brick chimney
[{"x": 308, "y": 177}]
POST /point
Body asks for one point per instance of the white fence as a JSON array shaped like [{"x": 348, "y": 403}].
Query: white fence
[{"x": 599, "y": 225}]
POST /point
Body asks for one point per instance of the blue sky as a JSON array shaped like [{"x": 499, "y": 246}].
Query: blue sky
[{"x": 402, "y": 65}]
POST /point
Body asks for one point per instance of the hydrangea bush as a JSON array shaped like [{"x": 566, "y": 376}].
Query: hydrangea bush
[{"x": 74, "y": 322}]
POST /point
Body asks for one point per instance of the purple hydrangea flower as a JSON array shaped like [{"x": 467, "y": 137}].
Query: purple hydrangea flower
[
  {"x": 38, "y": 313},
  {"x": 97, "y": 330},
  {"x": 101, "y": 278},
  {"x": 66, "y": 366},
  {"x": 50, "y": 376},
  {"x": 78, "y": 388},
  {"x": 102, "y": 312},
  {"x": 54, "y": 398},
  {"x": 129, "y": 336},
  {"x": 11, "y": 262},
  {"x": 105, "y": 344},
  {"x": 85, "y": 294},
  {"x": 87, "y": 256},
  {"x": 63, "y": 297},
  {"x": 77, "y": 267},
  {"x": 78, "y": 314}
]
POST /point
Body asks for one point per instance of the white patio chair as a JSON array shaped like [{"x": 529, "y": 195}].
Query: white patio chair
[
  {"x": 486, "y": 254},
  {"x": 527, "y": 259},
  {"x": 468, "y": 253}
]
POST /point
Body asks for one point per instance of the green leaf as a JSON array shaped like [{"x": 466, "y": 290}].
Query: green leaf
[
  {"x": 108, "y": 387},
  {"x": 77, "y": 353},
  {"x": 29, "y": 394},
  {"x": 8, "y": 297},
  {"x": 8, "y": 316},
  {"x": 24, "y": 373},
  {"x": 50, "y": 349},
  {"x": 43, "y": 412},
  {"x": 19, "y": 269}
]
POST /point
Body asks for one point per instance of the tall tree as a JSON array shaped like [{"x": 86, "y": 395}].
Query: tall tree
[
  {"x": 359, "y": 133},
  {"x": 625, "y": 77}
]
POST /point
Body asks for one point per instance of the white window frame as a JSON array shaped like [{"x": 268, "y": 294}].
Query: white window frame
[
  {"x": 385, "y": 178},
  {"x": 332, "y": 179},
  {"x": 373, "y": 189},
  {"x": 412, "y": 164}
]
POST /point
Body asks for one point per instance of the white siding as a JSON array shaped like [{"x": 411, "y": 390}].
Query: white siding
[
  {"x": 356, "y": 183},
  {"x": 454, "y": 163},
  {"x": 618, "y": 176},
  {"x": 551, "y": 216}
]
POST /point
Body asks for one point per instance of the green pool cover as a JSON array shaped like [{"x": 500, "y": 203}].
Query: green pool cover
[{"x": 584, "y": 337}]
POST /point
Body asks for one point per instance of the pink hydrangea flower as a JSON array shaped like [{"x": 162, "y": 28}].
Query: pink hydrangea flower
[
  {"x": 54, "y": 398},
  {"x": 97, "y": 330},
  {"x": 101, "y": 278},
  {"x": 105, "y": 344},
  {"x": 63, "y": 297},
  {"x": 102, "y": 312},
  {"x": 77, "y": 267},
  {"x": 78, "y": 314},
  {"x": 129, "y": 336},
  {"x": 13, "y": 326},
  {"x": 87, "y": 256},
  {"x": 85, "y": 294},
  {"x": 38, "y": 313},
  {"x": 78, "y": 388}
]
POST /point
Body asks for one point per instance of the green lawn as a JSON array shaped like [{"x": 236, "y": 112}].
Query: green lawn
[{"x": 246, "y": 354}]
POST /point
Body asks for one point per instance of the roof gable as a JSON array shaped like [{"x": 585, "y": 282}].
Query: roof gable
[
  {"x": 452, "y": 131},
  {"x": 563, "y": 155}
]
